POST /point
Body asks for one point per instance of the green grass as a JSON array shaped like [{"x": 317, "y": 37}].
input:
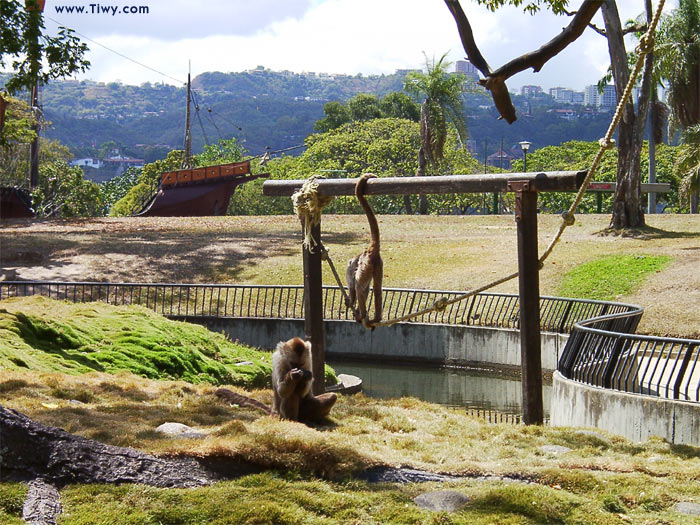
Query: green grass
[
  {"x": 610, "y": 277},
  {"x": 12, "y": 496},
  {"x": 46, "y": 335}
]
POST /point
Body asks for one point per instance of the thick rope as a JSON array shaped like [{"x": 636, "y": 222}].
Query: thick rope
[
  {"x": 645, "y": 46},
  {"x": 308, "y": 205}
]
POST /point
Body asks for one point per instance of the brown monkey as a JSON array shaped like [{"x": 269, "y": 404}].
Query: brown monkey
[
  {"x": 291, "y": 383},
  {"x": 366, "y": 267}
]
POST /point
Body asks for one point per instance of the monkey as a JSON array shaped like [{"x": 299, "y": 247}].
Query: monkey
[
  {"x": 291, "y": 384},
  {"x": 366, "y": 267}
]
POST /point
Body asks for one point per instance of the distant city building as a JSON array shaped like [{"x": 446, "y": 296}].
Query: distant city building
[
  {"x": 578, "y": 97},
  {"x": 407, "y": 71},
  {"x": 530, "y": 91},
  {"x": 560, "y": 94},
  {"x": 87, "y": 162},
  {"x": 500, "y": 159},
  {"x": 591, "y": 96},
  {"x": 467, "y": 68},
  {"x": 606, "y": 99}
]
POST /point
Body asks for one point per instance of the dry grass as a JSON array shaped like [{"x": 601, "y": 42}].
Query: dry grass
[
  {"x": 604, "y": 479},
  {"x": 447, "y": 252}
]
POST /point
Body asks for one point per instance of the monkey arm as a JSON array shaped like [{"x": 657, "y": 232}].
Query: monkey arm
[{"x": 290, "y": 380}]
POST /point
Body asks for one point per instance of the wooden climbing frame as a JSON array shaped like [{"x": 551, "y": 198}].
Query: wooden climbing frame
[{"x": 526, "y": 187}]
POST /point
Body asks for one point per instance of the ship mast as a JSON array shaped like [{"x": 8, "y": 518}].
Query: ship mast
[{"x": 187, "y": 161}]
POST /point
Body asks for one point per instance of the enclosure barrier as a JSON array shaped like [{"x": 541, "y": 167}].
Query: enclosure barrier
[
  {"x": 493, "y": 310},
  {"x": 605, "y": 352}
]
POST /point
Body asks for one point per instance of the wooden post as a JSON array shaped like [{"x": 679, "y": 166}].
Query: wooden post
[
  {"x": 313, "y": 310},
  {"x": 529, "y": 285}
]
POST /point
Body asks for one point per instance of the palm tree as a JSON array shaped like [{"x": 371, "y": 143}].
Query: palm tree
[
  {"x": 678, "y": 54},
  {"x": 442, "y": 103},
  {"x": 687, "y": 167}
]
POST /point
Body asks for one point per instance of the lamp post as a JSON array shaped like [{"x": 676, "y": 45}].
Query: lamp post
[{"x": 525, "y": 145}]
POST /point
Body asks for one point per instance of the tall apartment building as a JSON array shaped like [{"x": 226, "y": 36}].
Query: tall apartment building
[
  {"x": 560, "y": 94},
  {"x": 606, "y": 99},
  {"x": 467, "y": 68}
]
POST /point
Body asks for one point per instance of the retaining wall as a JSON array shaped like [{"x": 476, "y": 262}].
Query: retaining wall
[
  {"x": 407, "y": 342},
  {"x": 635, "y": 416}
]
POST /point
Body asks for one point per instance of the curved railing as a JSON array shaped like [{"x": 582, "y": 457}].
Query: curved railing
[
  {"x": 604, "y": 351},
  {"x": 557, "y": 314}
]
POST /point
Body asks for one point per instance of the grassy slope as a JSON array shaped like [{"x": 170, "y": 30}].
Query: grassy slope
[
  {"x": 46, "y": 335},
  {"x": 604, "y": 479}
]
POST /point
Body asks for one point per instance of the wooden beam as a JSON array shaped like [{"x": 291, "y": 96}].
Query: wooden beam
[{"x": 478, "y": 183}]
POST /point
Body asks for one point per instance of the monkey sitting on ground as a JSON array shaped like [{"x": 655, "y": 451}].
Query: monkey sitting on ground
[
  {"x": 366, "y": 267},
  {"x": 291, "y": 383},
  {"x": 291, "y": 386}
]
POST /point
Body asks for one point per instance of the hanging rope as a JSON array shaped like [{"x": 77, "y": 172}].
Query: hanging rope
[
  {"x": 645, "y": 46},
  {"x": 308, "y": 205}
]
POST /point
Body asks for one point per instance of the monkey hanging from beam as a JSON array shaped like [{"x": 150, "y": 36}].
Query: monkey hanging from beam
[
  {"x": 291, "y": 386},
  {"x": 366, "y": 267}
]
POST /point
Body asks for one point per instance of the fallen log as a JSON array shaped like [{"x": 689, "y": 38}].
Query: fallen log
[{"x": 30, "y": 450}]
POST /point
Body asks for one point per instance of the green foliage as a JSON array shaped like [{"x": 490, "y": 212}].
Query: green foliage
[
  {"x": 578, "y": 155},
  {"x": 64, "y": 192},
  {"x": 224, "y": 151},
  {"x": 609, "y": 277},
  {"x": 532, "y": 6},
  {"x": 118, "y": 187},
  {"x": 364, "y": 106},
  {"x": 687, "y": 167},
  {"x": 48, "y": 335},
  {"x": 33, "y": 54},
  {"x": 677, "y": 53},
  {"x": 135, "y": 199}
]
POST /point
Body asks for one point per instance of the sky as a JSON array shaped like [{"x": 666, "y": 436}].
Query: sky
[{"x": 331, "y": 36}]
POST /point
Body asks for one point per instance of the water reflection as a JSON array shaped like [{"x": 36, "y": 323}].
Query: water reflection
[{"x": 446, "y": 386}]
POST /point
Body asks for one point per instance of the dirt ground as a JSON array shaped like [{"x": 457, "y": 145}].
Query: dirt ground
[{"x": 435, "y": 252}]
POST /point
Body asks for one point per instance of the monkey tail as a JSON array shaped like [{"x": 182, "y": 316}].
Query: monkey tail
[
  {"x": 360, "y": 189},
  {"x": 239, "y": 399}
]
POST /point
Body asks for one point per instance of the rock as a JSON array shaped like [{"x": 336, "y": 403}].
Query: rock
[
  {"x": 687, "y": 507},
  {"x": 590, "y": 433},
  {"x": 555, "y": 450},
  {"x": 179, "y": 430},
  {"x": 244, "y": 363},
  {"x": 442, "y": 500}
]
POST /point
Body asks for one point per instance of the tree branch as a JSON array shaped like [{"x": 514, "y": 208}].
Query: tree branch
[
  {"x": 494, "y": 81},
  {"x": 594, "y": 27}
]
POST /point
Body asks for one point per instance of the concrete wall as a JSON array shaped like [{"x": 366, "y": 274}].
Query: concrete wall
[
  {"x": 425, "y": 343},
  {"x": 635, "y": 416}
]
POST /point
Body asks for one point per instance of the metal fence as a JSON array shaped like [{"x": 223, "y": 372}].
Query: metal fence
[
  {"x": 605, "y": 352},
  {"x": 287, "y": 302}
]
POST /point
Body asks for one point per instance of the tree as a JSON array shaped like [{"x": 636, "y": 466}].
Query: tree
[
  {"x": 64, "y": 192},
  {"x": 687, "y": 167},
  {"x": 364, "y": 107},
  {"x": 400, "y": 105},
  {"x": 337, "y": 114},
  {"x": 678, "y": 52},
  {"x": 627, "y": 211},
  {"x": 34, "y": 55},
  {"x": 442, "y": 104}
]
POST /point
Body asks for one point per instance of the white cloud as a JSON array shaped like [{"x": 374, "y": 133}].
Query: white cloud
[{"x": 335, "y": 36}]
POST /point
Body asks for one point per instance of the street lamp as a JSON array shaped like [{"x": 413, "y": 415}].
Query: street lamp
[{"x": 525, "y": 145}]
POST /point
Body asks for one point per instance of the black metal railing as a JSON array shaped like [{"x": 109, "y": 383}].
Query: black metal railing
[
  {"x": 287, "y": 302},
  {"x": 605, "y": 352}
]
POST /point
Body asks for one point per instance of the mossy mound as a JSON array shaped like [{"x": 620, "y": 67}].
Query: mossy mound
[{"x": 46, "y": 335}]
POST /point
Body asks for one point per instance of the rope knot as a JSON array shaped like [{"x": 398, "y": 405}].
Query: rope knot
[
  {"x": 606, "y": 143},
  {"x": 308, "y": 205},
  {"x": 646, "y": 44},
  {"x": 440, "y": 304},
  {"x": 568, "y": 218}
]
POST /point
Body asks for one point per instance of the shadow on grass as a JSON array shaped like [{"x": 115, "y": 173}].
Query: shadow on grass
[
  {"x": 685, "y": 451},
  {"x": 647, "y": 233}
]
